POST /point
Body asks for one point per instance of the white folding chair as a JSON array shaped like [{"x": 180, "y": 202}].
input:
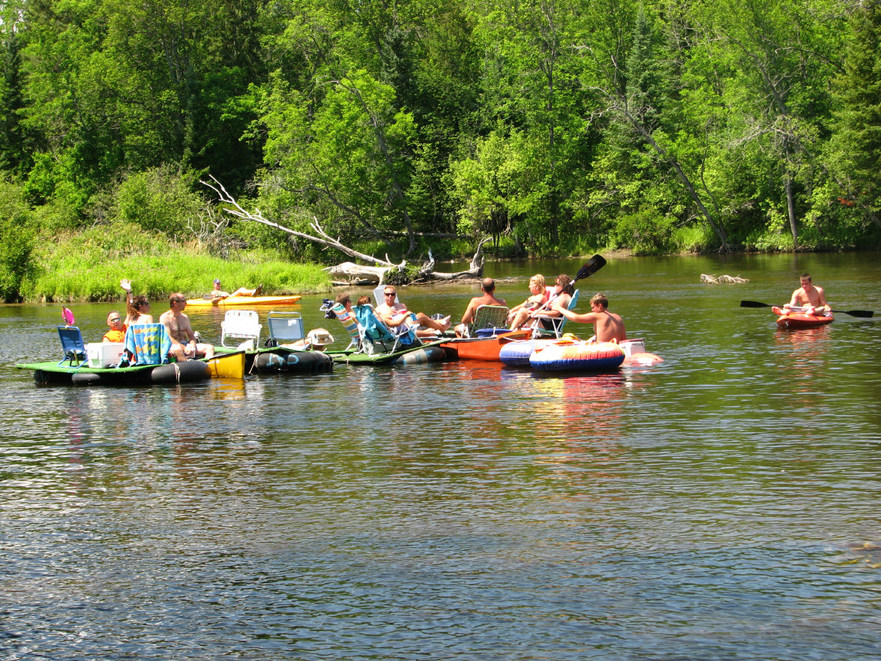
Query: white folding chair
[{"x": 240, "y": 325}]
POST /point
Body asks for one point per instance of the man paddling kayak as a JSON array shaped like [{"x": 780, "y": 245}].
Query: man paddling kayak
[{"x": 809, "y": 299}]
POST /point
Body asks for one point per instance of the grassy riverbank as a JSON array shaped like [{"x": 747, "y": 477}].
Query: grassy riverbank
[{"x": 83, "y": 267}]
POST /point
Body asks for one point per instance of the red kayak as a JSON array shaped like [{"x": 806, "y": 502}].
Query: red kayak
[{"x": 796, "y": 320}]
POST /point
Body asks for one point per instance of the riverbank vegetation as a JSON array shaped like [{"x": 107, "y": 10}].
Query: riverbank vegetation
[{"x": 555, "y": 128}]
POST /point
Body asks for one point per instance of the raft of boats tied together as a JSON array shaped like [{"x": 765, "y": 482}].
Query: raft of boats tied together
[{"x": 530, "y": 335}]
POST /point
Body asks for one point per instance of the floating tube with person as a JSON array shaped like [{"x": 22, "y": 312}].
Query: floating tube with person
[{"x": 568, "y": 355}]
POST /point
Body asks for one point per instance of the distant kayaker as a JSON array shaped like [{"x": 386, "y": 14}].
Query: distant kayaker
[
  {"x": 217, "y": 292},
  {"x": 183, "y": 339},
  {"x": 488, "y": 297},
  {"x": 607, "y": 325},
  {"x": 809, "y": 298},
  {"x": 394, "y": 314},
  {"x": 117, "y": 328}
]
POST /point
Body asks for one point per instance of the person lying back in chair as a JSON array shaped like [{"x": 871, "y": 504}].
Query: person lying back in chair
[
  {"x": 560, "y": 297},
  {"x": 394, "y": 314}
]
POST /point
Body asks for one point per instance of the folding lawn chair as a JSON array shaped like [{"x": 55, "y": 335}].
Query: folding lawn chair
[{"x": 73, "y": 346}]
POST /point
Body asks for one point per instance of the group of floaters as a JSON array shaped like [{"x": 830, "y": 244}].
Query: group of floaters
[{"x": 607, "y": 350}]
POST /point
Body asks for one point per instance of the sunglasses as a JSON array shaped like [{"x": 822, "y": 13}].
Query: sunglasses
[
  {"x": 389, "y": 293},
  {"x": 115, "y": 319}
]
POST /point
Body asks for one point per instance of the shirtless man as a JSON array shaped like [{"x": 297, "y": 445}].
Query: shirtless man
[
  {"x": 217, "y": 292},
  {"x": 607, "y": 325},
  {"x": 811, "y": 299},
  {"x": 183, "y": 338},
  {"x": 394, "y": 314},
  {"x": 488, "y": 297}
]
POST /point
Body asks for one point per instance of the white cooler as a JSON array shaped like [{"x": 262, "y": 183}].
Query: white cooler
[{"x": 102, "y": 354}]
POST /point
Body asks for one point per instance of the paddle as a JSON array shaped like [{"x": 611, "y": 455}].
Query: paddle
[{"x": 852, "y": 313}]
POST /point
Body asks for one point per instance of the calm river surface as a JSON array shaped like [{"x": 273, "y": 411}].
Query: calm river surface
[{"x": 723, "y": 505}]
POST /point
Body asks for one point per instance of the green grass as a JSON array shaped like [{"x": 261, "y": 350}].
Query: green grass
[{"x": 88, "y": 267}]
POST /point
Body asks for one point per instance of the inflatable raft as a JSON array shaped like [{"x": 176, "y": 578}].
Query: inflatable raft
[
  {"x": 169, "y": 373},
  {"x": 282, "y": 359},
  {"x": 796, "y": 320},
  {"x": 566, "y": 355}
]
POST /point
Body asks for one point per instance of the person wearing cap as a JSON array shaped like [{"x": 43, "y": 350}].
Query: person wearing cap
[{"x": 217, "y": 292}]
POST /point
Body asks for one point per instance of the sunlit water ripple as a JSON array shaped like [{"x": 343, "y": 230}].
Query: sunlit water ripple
[{"x": 721, "y": 505}]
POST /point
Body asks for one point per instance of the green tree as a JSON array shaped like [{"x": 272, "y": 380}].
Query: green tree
[
  {"x": 855, "y": 151},
  {"x": 775, "y": 56},
  {"x": 17, "y": 240},
  {"x": 342, "y": 162}
]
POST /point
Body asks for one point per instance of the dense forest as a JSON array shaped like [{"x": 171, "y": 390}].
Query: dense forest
[{"x": 552, "y": 126}]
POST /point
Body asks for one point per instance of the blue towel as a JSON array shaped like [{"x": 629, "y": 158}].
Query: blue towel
[{"x": 148, "y": 344}]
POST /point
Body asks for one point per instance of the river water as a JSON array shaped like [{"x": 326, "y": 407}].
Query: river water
[{"x": 722, "y": 505}]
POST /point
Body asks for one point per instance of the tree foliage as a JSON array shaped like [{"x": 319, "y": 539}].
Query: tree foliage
[{"x": 554, "y": 126}]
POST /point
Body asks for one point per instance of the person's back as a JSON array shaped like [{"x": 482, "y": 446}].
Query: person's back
[
  {"x": 487, "y": 297},
  {"x": 608, "y": 326}
]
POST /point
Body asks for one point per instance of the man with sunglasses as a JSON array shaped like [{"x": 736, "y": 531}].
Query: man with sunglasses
[
  {"x": 117, "y": 328},
  {"x": 393, "y": 314},
  {"x": 183, "y": 339}
]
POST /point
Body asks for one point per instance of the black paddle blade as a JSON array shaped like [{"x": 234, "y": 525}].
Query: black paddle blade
[
  {"x": 754, "y": 304},
  {"x": 857, "y": 313},
  {"x": 592, "y": 265}
]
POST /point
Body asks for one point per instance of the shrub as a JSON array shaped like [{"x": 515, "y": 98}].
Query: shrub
[
  {"x": 159, "y": 200},
  {"x": 16, "y": 241}
]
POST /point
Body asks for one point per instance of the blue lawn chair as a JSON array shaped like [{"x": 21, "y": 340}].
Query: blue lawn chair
[
  {"x": 376, "y": 337},
  {"x": 73, "y": 346}
]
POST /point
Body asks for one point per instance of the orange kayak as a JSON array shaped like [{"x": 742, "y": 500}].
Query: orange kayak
[
  {"x": 242, "y": 300},
  {"x": 483, "y": 348},
  {"x": 796, "y": 320}
]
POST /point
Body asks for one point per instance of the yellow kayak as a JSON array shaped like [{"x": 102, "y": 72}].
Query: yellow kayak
[{"x": 241, "y": 300}]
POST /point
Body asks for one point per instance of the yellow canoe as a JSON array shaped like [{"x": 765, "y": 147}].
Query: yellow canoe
[{"x": 242, "y": 300}]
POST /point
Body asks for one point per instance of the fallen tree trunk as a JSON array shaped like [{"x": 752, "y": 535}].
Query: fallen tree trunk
[{"x": 380, "y": 270}]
